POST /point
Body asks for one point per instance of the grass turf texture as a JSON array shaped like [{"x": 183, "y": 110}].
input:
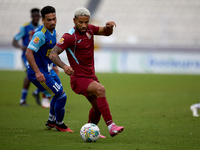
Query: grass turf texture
[{"x": 154, "y": 109}]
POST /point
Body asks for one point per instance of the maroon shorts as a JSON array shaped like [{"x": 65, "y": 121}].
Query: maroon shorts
[{"x": 80, "y": 85}]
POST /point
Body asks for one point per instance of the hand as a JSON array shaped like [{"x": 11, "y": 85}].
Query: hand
[
  {"x": 40, "y": 77},
  {"x": 68, "y": 70},
  {"x": 110, "y": 24}
]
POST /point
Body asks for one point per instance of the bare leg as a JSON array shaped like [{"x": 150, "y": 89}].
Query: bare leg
[{"x": 26, "y": 83}]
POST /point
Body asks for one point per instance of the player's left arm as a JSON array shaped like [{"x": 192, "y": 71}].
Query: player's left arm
[
  {"x": 30, "y": 57},
  {"x": 107, "y": 30},
  {"x": 36, "y": 42}
]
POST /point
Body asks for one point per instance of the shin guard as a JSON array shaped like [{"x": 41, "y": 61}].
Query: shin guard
[
  {"x": 105, "y": 110},
  {"x": 60, "y": 107},
  {"x": 94, "y": 117}
]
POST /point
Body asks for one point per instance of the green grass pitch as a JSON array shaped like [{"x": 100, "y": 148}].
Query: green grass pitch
[{"x": 154, "y": 109}]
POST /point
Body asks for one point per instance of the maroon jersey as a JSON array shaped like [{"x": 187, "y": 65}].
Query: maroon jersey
[{"x": 80, "y": 50}]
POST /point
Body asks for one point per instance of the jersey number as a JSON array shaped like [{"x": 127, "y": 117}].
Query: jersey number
[{"x": 56, "y": 86}]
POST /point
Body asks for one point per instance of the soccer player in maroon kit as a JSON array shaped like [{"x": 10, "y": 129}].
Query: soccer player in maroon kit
[{"x": 79, "y": 45}]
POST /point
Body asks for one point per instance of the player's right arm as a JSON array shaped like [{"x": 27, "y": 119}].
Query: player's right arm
[
  {"x": 29, "y": 55},
  {"x": 17, "y": 37},
  {"x": 36, "y": 42},
  {"x": 54, "y": 56}
]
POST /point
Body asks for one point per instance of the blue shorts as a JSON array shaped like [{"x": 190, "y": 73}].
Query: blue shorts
[
  {"x": 51, "y": 87},
  {"x": 25, "y": 61}
]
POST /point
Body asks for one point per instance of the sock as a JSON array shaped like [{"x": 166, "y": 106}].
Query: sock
[
  {"x": 24, "y": 94},
  {"x": 59, "y": 122},
  {"x": 59, "y": 107},
  {"x": 109, "y": 127},
  {"x": 37, "y": 91},
  {"x": 94, "y": 117},
  {"x": 105, "y": 110},
  {"x": 52, "y": 117},
  {"x": 197, "y": 105},
  {"x": 52, "y": 106},
  {"x": 21, "y": 101}
]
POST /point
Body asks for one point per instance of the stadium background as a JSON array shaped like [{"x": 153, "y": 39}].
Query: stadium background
[{"x": 152, "y": 36}]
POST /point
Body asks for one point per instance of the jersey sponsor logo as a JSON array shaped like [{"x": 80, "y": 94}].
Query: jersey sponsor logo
[
  {"x": 88, "y": 35},
  {"x": 49, "y": 67},
  {"x": 48, "y": 52},
  {"x": 33, "y": 47},
  {"x": 61, "y": 41},
  {"x": 36, "y": 40}
]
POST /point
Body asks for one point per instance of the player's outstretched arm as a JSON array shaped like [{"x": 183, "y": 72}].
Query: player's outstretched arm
[
  {"x": 107, "y": 30},
  {"x": 54, "y": 56}
]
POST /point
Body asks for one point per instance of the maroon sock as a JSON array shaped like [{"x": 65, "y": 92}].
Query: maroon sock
[
  {"x": 105, "y": 110},
  {"x": 94, "y": 117}
]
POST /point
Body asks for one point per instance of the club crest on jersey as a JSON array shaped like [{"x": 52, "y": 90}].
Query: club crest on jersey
[
  {"x": 88, "y": 35},
  {"x": 61, "y": 41},
  {"x": 36, "y": 40}
]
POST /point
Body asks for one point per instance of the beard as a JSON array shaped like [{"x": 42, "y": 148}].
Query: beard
[
  {"x": 52, "y": 27},
  {"x": 80, "y": 30}
]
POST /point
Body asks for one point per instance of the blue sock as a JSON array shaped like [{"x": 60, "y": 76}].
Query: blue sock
[
  {"x": 60, "y": 107},
  {"x": 52, "y": 106},
  {"x": 52, "y": 117},
  {"x": 24, "y": 94},
  {"x": 37, "y": 91}
]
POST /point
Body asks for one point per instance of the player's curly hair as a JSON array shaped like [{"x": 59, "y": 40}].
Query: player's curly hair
[
  {"x": 81, "y": 12},
  {"x": 33, "y": 10},
  {"x": 47, "y": 10}
]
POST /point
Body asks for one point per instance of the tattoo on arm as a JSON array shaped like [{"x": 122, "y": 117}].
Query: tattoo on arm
[
  {"x": 55, "y": 58},
  {"x": 57, "y": 50}
]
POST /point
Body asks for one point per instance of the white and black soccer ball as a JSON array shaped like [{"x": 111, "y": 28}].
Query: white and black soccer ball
[{"x": 90, "y": 132}]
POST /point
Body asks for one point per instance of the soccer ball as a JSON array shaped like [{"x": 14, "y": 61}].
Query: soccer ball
[{"x": 90, "y": 132}]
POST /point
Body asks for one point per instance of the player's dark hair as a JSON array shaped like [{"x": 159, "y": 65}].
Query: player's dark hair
[
  {"x": 35, "y": 10},
  {"x": 47, "y": 10}
]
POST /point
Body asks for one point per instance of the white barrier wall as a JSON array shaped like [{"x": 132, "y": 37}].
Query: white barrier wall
[
  {"x": 10, "y": 59},
  {"x": 154, "y": 62},
  {"x": 124, "y": 62}
]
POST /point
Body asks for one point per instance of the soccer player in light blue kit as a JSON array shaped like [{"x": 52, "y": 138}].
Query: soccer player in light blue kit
[
  {"x": 24, "y": 33},
  {"x": 40, "y": 71}
]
